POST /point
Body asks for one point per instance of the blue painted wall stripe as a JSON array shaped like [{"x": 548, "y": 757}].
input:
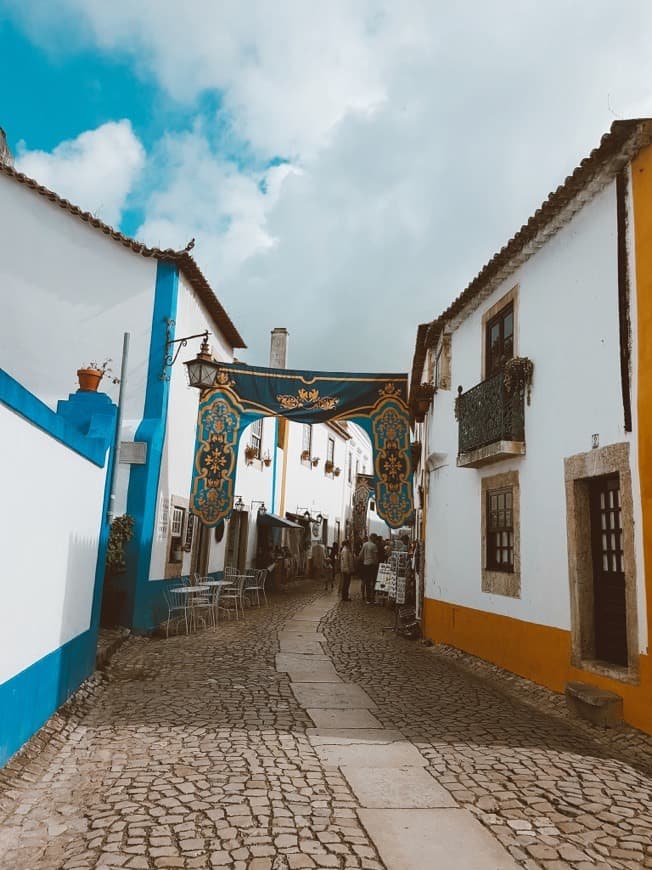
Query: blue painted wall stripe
[
  {"x": 144, "y": 479},
  {"x": 28, "y": 699},
  {"x": 20, "y": 400}
]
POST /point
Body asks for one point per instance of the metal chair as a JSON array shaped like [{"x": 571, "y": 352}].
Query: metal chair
[
  {"x": 256, "y": 584},
  {"x": 176, "y": 603},
  {"x": 234, "y": 593}
]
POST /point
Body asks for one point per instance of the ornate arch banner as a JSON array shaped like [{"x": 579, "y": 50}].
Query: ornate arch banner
[
  {"x": 242, "y": 394},
  {"x": 364, "y": 487}
]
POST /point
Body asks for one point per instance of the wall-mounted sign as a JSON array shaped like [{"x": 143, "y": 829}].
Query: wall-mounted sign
[
  {"x": 190, "y": 528},
  {"x": 133, "y": 452}
]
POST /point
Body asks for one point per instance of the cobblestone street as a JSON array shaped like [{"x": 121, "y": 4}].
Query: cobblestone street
[{"x": 195, "y": 752}]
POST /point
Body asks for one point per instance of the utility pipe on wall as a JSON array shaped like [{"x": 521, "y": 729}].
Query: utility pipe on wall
[{"x": 118, "y": 428}]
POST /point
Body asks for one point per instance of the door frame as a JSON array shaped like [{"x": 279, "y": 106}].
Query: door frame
[{"x": 578, "y": 472}]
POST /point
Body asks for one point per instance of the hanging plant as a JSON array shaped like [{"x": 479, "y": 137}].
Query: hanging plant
[
  {"x": 517, "y": 375},
  {"x": 250, "y": 453},
  {"x": 122, "y": 531},
  {"x": 456, "y": 406}
]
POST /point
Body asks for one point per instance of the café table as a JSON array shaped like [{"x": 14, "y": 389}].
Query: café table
[{"x": 190, "y": 592}]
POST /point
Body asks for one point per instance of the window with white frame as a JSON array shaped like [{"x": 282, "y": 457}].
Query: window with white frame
[
  {"x": 257, "y": 436},
  {"x": 306, "y": 444}
]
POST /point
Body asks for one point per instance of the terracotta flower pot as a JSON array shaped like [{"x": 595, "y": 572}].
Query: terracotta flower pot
[{"x": 89, "y": 379}]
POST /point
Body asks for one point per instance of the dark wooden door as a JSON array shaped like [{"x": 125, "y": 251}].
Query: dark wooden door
[{"x": 609, "y": 607}]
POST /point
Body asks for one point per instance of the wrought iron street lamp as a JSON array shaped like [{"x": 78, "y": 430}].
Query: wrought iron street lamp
[{"x": 202, "y": 369}]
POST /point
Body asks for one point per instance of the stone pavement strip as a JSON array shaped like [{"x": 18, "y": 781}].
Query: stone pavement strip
[
  {"x": 391, "y": 775},
  {"x": 230, "y": 748}
]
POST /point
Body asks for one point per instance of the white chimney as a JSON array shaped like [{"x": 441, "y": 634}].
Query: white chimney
[
  {"x": 278, "y": 349},
  {"x": 6, "y": 156}
]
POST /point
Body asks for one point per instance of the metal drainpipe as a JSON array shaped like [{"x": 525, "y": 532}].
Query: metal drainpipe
[{"x": 118, "y": 428}]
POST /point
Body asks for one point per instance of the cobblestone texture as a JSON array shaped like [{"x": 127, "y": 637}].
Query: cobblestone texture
[
  {"x": 557, "y": 793},
  {"x": 192, "y": 752}
]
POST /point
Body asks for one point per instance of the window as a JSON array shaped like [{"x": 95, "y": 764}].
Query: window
[
  {"x": 257, "y": 436},
  {"x": 306, "y": 444},
  {"x": 499, "y": 340},
  {"x": 330, "y": 452},
  {"x": 177, "y": 522},
  {"x": 500, "y": 529},
  {"x": 350, "y": 471}
]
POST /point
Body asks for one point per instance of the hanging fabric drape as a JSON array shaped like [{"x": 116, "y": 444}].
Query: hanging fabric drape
[{"x": 242, "y": 394}]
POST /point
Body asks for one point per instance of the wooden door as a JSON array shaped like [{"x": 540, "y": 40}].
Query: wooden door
[{"x": 609, "y": 604}]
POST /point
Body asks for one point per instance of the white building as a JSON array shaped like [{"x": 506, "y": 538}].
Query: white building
[
  {"x": 529, "y": 471},
  {"x": 75, "y": 286},
  {"x": 288, "y": 472}
]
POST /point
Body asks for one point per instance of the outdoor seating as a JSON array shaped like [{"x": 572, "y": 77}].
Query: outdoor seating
[
  {"x": 255, "y": 584},
  {"x": 177, "y": 604},
  {"x": 233, "y": 595},
  {"x": 200, "y": 605}
]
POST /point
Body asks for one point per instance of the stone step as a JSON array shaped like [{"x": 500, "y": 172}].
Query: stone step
[{"x": 594, "y": 704}]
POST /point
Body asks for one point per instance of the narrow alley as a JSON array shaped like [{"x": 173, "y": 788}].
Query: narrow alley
[{"x": 310, "y": 735}]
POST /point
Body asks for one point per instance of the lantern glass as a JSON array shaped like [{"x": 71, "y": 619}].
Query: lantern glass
[{"x": 201, "y": 372}]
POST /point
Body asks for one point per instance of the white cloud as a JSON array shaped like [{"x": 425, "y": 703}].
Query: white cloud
[
  {"x": 421, "y": 136},
  {"x": 200, "y": 195},
  {"x": 95, "y": 171}
]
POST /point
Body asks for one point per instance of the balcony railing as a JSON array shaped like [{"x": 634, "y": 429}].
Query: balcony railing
[{"x": 489, "y": 413}]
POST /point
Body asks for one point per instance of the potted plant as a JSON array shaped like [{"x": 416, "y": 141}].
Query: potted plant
[
  {"x": 90, "y": 376},
  {"x": 250, "y": 453},
  {"x": 267, "y": 459},
  {"x": 315, "y": 461},
  {"x": 336, "y": 471},
  {"x": 329, "y": 466},
  {"x": 122, "y": 531},
  {"x": 305, "y": 455}
]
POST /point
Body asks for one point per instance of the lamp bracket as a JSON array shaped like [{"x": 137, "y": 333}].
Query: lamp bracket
[{"x": 172, "y": 355}]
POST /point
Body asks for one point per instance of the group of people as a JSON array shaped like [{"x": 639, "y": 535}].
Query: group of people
[{"x": 344, "y": 561}]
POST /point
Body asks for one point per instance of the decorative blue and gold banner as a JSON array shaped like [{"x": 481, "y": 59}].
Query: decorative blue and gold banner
[{"x": 242, "y": 394}]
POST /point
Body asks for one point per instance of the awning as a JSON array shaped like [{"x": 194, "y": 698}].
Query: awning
[{"x": 276, "y": 520}]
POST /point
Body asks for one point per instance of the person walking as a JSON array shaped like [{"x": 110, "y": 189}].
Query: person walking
[
  {"x": 346, "y": 569},
  {"x": 318, "y": 560},
  {"x": 368, "y": 557}
]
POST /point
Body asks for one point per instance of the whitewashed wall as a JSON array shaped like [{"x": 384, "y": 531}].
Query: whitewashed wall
[
  {"x": 69, "y": 294},
  {"x": 567, "y": 324},
  {"x": 50, "y": 528},
  {"x": 308, "y": 487},
  {"x": 181, "y": 429},
  {"x": 254, "y": 482}
]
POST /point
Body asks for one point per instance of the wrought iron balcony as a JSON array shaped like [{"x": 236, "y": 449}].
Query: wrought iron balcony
[{"x": 491, "y": 420}]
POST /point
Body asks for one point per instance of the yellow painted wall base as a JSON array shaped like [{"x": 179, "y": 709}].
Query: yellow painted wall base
[{"x": 537, "y": 652}]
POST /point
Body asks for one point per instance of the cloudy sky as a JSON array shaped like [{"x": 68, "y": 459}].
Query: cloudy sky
[{"x": 345, "y": 167}]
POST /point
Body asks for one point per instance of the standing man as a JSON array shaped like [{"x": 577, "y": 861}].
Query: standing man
[
  {"x": 369, "y": 568},
  {"x": 346, "y": 568}
]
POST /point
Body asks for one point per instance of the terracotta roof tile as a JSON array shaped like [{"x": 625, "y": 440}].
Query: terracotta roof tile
[{"x": 183, "y": 259}]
